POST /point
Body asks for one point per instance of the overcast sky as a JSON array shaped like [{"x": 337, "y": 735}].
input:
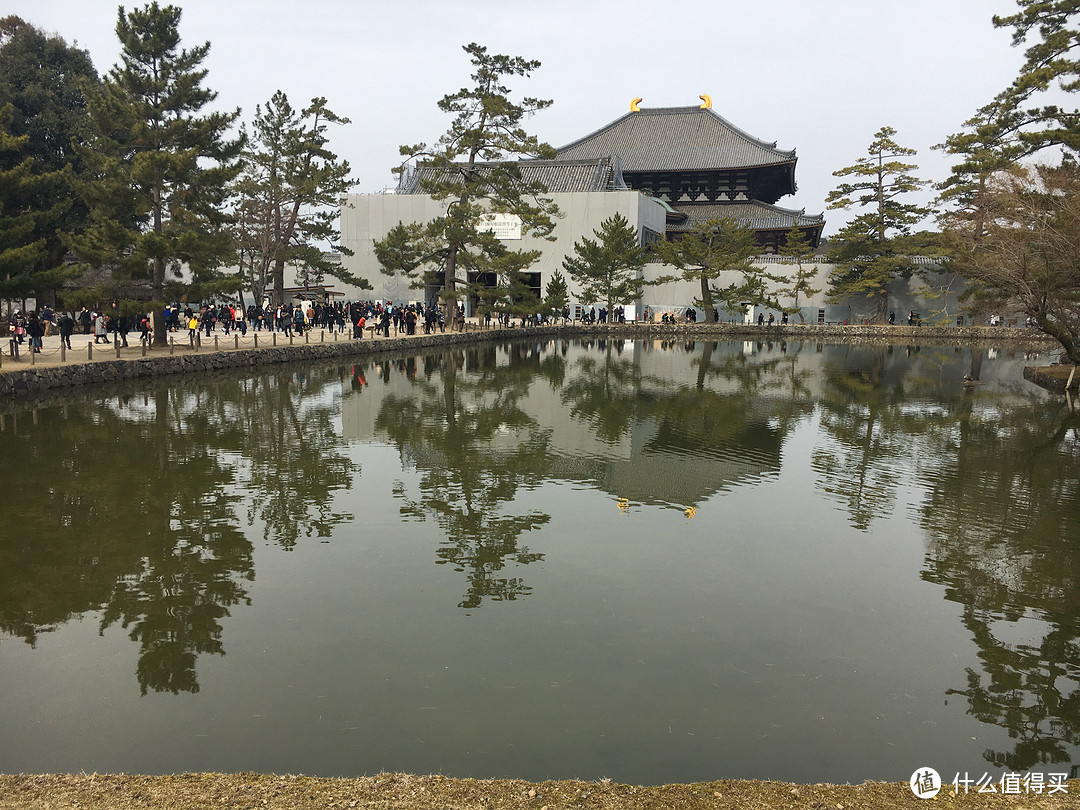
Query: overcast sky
[{"x": 818, "y": 77}]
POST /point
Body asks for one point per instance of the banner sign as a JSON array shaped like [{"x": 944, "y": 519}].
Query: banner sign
[{"x": 504, "y": 226}]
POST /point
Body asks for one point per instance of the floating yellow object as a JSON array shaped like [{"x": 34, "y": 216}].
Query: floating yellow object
[
  {"x": 708, "y": 101},
  {"x": 634, "y": 105},
  {"x": 624, "y": 504},
  {"x": 690, "y": 512}
]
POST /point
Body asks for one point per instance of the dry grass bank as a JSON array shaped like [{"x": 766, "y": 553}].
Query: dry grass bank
[{"x": 394, "y": 791}]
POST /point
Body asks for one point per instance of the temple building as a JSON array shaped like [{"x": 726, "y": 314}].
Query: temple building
[
  {"x": 703, "y": 167},
  {"x": 664, "y": 169}
]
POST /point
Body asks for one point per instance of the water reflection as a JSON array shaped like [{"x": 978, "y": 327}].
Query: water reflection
[
  {"x": 1000, "y": 519},
  {"x": 128, "y": 506},
  {"x": 474, "y": 447},
  {"x": 513, "y": 469}
]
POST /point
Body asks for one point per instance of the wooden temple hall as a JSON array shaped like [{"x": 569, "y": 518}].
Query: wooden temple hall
[
  {"x": 701, "y": 166},
  {"x": 663, "y": 169}
]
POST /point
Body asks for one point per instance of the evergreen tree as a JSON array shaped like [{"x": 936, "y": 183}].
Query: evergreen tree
[
  {"x": 21, "y": 247},
  {"x": 607, "y": 269},
  {"x": 288, "y": 197},
  {"x": 1050, "y": 65},
  {"x": 162, "y": 165},
  {"x": 1012, "y": 126},
  {"x": 712, "y": 248},
  {"x": 517, "y": 296},
  {"x": 796, "y": 251},
  {"x": 556, "y": 294},
  {"x": 44, "y": 80},
  {"x": 471, "y": 169},
  {"x": 864, "y": 251}
]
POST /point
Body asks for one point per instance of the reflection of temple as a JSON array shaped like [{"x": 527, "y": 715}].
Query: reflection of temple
[
  {"x": 655, "y": 459},
  {"x": 654, "y": 434}
]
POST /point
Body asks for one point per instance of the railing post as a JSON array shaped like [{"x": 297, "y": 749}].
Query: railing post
[
  {"x": 116, "y": 344},
  {"x": 215, "y": 343},
  {"x": 275, "y": 338},
  {"x": 256, "y": 340},
  {"x": 172, "y": 345},
  {"x": 236, "y": 341},
  {"x": 89, "y": 351}
]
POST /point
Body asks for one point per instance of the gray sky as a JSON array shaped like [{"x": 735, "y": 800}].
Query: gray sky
[{"x": 818, "y": 77}]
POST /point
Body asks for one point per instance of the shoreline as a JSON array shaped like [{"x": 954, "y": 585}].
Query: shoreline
[
  {"x": 82, "y": 365},
  {"x": 404, "y": 791}
]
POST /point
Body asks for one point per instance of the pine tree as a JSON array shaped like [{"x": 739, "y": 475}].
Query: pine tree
[
  {"x": 556, "y": 294},
  {"x": 607, "y": 269},
  {"x": 162, "y": 164},
  {"x": 288, "y": 197},
  {"x": 864, "y": 250},
  {"x": 472, "y": 170},
  {"x": 712, "y": 248},
  {"x": 45, "y": 81},
  {"x": 796, "y": 251},
  {"x": 1050, "y": 65},
  {"x": 22, "y": 249}
]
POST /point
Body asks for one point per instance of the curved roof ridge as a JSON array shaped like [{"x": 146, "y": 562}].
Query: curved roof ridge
[
  {"x": 748, "y": 136},
  {"x": 801, "y": 212},
  {"x": 692, "y": 110},
  {"x": 755, "y": 213}
]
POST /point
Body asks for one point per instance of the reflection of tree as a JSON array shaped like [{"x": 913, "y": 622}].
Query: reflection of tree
[
  {"x": 141, "y": 532},
  {"x": 288, "y": 436},
  {"x": 1000, "y": 520},
  {"x": 143, "y": 526},
  {"x": 174, "y": 600},
  {"x": 605, "y": 392},
  {"x": 860, "y": 465},
  {"x": 475, "y": 447}
]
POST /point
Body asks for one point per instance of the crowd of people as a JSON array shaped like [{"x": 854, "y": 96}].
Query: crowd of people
[{"x": 108, "y": 325}]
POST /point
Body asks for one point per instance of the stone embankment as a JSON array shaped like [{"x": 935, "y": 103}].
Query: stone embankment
[{"x": 19, "y": 377}]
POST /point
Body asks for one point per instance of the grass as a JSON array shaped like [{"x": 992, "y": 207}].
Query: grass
[{"x": 394, "y": 791}]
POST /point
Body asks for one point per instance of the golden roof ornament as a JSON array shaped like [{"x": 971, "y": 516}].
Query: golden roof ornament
[
  {"x": 634, "y": 105},
  {"x": 708, "y": 101}
]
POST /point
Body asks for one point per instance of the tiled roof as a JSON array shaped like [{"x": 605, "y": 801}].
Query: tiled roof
[
  {"x": 676, "y": 139},
  {"x": 594, "y": 174},
  {"x": 758, "y": 215}
]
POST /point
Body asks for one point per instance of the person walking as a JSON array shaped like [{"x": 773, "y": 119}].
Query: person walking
[
  {"x": 35, "y": 330},
  {"x": 101, "y": 325},
  {"x": 67, "y": 327}
]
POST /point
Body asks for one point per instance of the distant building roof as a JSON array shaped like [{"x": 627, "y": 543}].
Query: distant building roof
[
  {"x": 603, "y": 173},
  {"x": 676, "y": 139},
  {"x": 758, "y": 215}
]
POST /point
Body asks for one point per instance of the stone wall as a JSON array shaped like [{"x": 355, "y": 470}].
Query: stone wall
[{"x": 22, "y": 380}]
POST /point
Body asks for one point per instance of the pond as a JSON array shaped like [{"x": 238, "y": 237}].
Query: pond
[{"x": 647, "y": 561}]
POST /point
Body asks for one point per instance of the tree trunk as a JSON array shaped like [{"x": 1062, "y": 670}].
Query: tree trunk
[{"x": 706, "y": 301}]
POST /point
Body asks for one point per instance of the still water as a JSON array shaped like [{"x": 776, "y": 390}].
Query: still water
[{"x": 644, "y": 561}]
